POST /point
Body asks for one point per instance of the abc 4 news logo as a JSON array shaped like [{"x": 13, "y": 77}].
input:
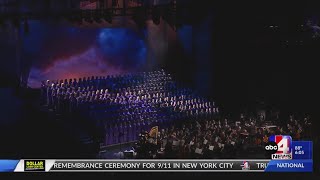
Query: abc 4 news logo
[
  {"x": 280, "y": 150},
  {"x": 271, "y": 147}
]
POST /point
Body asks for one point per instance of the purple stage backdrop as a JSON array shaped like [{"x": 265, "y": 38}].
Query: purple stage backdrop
[{"x": 61, "y": 51}]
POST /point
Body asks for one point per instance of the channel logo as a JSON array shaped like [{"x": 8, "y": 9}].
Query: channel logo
[
  {"x": 245, "y": 165},
  {"x": 280, "y": 147}
]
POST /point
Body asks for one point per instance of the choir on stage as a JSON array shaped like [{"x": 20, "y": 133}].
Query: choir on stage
[{"x": 125, "y": 105}]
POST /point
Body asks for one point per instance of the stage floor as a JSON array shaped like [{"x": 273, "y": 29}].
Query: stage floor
[{"x": 115, "y": 151}]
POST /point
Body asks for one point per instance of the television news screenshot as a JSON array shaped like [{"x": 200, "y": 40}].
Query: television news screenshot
[{"x": 157, "y": 86}]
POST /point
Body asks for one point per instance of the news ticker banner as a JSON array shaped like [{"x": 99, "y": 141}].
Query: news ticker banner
[
  {"x": 286, "y": 156},
  {"x": 252, "y": 165}
]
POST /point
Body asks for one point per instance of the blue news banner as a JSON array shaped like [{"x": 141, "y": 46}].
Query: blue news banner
[{"x": 301, "y": 161}]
